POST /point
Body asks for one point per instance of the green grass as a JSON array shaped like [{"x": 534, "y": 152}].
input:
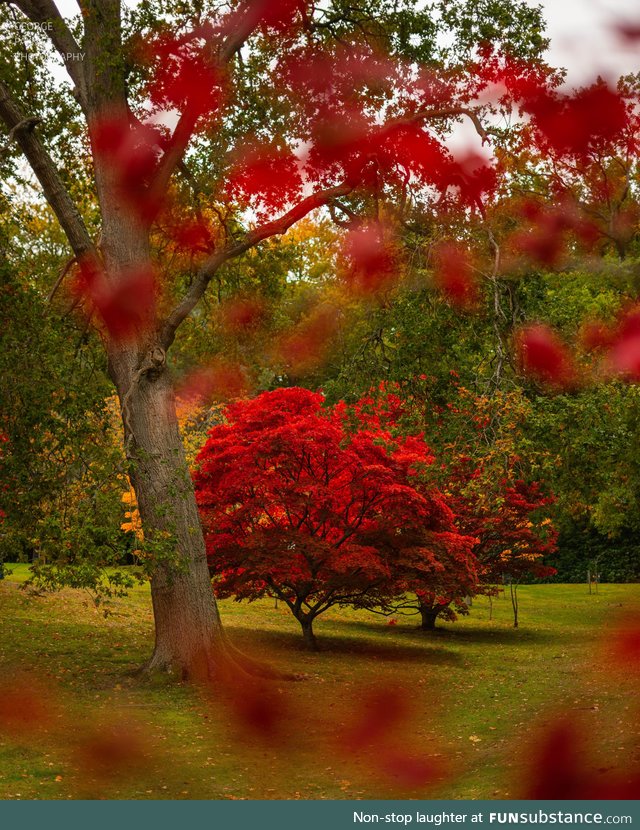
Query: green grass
[{"x": 477, "y": 693}]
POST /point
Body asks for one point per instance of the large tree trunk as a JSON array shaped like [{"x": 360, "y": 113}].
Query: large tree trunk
[{"x": 189, "y": 637}]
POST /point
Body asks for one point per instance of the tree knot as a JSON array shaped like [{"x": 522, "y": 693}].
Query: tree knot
[{"x": 154, "y": 363}]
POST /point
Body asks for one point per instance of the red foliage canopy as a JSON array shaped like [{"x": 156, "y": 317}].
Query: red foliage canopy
[{"x": 320, "y": 506}]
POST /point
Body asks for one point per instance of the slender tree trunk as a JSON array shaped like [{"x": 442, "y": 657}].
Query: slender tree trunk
[
  {"x": 428, "y": 617},
  {"x": 307, "y": 632},
  {"x": 514, "y": 602}
]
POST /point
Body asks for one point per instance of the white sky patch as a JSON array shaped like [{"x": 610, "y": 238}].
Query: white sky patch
[{"x": 584, "y": 39}]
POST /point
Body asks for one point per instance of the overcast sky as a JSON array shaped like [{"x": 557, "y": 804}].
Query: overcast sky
[{"x": 584, "y": 39}]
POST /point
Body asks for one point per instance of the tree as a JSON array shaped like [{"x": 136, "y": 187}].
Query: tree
[
  {"x": 484, "y": 470},
  {"x": 321, "y": 507},
  {"x": 355, "y": 86}
]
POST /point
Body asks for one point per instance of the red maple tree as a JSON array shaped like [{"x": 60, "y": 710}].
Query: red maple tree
[
  {"x": 321, "y": 507},
  {"x": 505, "y": 514},
  {"x": 507, "y": 519}
]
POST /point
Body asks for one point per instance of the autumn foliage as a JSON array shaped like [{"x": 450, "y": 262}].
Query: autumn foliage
[{"x": 322, "y": 506}]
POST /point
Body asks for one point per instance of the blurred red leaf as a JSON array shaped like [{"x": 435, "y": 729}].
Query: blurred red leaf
[
  {"x": 543, "y": 356},
  {"x": 184, "y": 78},
  {"x": 472, "y": 175},
  {"x": 576, "y": 124},
  {"x": 629, "y": 31},
  {"x": 373, "y": 259},
  {"x": 307, "y": 345},
  {"x": 270, "y": 177},
  {"x": 125, "y": 302},
  {"x": 260, "y": 710},
  {"x": 546, "y": 240},
  {"x": 241, "y": 313},
  {"x": 192, "y": 235},
  {"x": 276, "y": 16},
  {"x": 380, "y": 712},
  {"x": 561, "y": 771},
  {"x": 221, "y": 380},
  {"x": 26, "y": 709},
  {"x": 453, "y": 273},
  {"x": 624, "y": 355},
  {"x": 112, "y": 751},
  {"x": 131, "y": 151},
  {"x": 557, "y": 767},
  {"x": 416, "y": 151},
  {"x": 595, "y": 335},
  {"x": 409, "y": 772},
  {"x": 624, "y": 644}
]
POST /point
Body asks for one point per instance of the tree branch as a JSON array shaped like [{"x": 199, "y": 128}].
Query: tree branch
[
  {"x": 45, "y": 11},
  {"x": 58, "y": 282},
  {"x": 445, "y": 112},
  {"x": 25, "y": 124},
  {"x": 45, "y": 170},
  {"x": 279, "y": 226},
  {"x": 242, "y": 26},
  {"x": 234, "y": 249},
  {"x": 247, "y": 21}
]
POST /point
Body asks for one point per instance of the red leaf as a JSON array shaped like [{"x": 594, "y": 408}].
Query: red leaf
[
  {"x": 380, "y": 712},
  {"x": 373, "y": 258},
  {"x": 595, "y": 335},
  {"x": 624, "y": 355},
  {"x": 416, "y": 151},
  {"x": 131, "y": 151},
  {"x": 274, "y": 15},
  {"x": 624, "y": 644},
  {"x": 25, "y": 708},
  {"x": 241, "y": 313},
  {"x": 453, "y": 273},
  {"x": 560, "y": 770},
  {"x": 544, "y": 357},
  {"x": 260, "y": 710},
  {"x": 113, "y": 751},
  {"x": 628, "y": 31},
  {"x": 125, "y": 302},
  {"x": 185, "y": 78},
  {"x": 192, "y": 235},
  {"x": 409, "y": 772},
  {"x": 271, "y": 178},
  {"x": 591, "y": 118},
  {"x": 472, "y": 175},
  {"x": 221, "y": 380},
  {"x": 557, "y": 768},
  {"x": 307, "y": 346}
]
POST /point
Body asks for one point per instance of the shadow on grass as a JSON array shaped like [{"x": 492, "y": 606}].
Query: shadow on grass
[
  {"x": 441, "y": 636},
  {"x": 334, "y": 645}
]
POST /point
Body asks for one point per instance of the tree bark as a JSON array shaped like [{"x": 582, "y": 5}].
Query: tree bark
[
  {"x": 189, "y": 638},
  {"x": 307, "y": 632},
  {"x": 428, "y": 617},
  {"x": 514, "y": 602}
]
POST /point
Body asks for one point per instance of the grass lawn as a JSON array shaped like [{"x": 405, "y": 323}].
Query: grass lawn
[{"x": 470, "y": 698}]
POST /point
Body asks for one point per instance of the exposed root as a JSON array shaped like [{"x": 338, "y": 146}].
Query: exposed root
[
  {"x": 225, "y": 663},
  {"x": 256, "y": 668}
]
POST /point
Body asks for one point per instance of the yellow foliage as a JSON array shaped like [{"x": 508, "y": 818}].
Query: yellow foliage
[{"x": 134, "y": 525}]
